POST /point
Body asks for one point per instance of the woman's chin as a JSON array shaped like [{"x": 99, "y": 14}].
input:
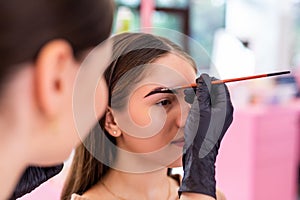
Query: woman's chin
[{"x": 176, "y": 163}]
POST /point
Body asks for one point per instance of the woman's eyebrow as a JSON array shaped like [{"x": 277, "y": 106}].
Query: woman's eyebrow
[{"x": 160, "y": 90}]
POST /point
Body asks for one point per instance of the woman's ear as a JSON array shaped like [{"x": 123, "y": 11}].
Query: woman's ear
[{"x": 111, "y": 125}]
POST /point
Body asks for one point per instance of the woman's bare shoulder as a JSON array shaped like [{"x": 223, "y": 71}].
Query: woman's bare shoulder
[
  {"x": 94, "y": 193},
  {"x": 78, "y": 197},
  {"x": 90, "y": 196},
  {"x": 220, "y": 195}
]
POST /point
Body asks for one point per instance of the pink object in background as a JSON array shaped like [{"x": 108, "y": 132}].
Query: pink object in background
[
  {"x": 147, "y": 8},
  {"x": 259, "y": 159}
]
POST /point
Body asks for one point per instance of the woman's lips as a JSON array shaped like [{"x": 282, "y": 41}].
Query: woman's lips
[{"x": 179, "y": 142}]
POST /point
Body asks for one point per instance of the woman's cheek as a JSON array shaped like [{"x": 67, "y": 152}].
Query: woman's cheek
[{"x": 142, "y": 122}]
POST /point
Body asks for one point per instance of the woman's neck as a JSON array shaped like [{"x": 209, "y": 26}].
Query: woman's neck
[
  {"x": 134, "y": 176},
  {"x": 150, "y": 185}
]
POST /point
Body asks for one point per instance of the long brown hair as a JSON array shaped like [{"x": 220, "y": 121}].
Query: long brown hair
[{"x": 129, "y": 51}]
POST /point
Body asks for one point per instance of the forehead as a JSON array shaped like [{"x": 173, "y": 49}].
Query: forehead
[{"x": 170, "y": 70}]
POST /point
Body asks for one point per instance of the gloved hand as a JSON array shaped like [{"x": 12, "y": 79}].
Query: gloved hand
[
  {"x": 209, "y": 118},
  {"x": 33, "y": 177}
]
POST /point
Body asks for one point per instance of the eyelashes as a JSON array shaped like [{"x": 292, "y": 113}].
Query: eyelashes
[{"x": 164, "y": 102}]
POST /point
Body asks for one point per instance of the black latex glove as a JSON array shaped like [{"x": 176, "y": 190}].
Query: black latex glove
[
  {"x": 33, "y": 177},
  {"x": 209, "y": 118}
]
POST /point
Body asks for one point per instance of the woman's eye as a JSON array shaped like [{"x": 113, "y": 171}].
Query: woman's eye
[{"x": 163, "y": 102}]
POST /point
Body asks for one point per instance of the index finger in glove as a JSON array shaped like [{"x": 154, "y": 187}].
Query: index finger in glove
[
  {"x": 199, "y": 115},
  {"x": 209, "y": 117},
  {"x": 221, "y": 118}
]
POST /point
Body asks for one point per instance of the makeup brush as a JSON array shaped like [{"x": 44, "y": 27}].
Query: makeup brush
[
  {"x": 232, "y": 80},
  {"x": 169, "y": 90}
]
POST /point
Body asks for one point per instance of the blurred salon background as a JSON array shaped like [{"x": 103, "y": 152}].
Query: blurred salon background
[{"x": 260, "y": 156}]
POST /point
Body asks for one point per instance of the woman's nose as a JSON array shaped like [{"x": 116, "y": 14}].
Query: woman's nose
[{"x": 183, "y": 112}]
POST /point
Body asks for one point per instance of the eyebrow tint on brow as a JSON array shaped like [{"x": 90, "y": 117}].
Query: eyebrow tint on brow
[{"x": 160, "y": 90}]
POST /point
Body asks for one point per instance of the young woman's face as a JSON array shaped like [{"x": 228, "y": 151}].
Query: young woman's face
[{"x": 153, "y": 126}]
